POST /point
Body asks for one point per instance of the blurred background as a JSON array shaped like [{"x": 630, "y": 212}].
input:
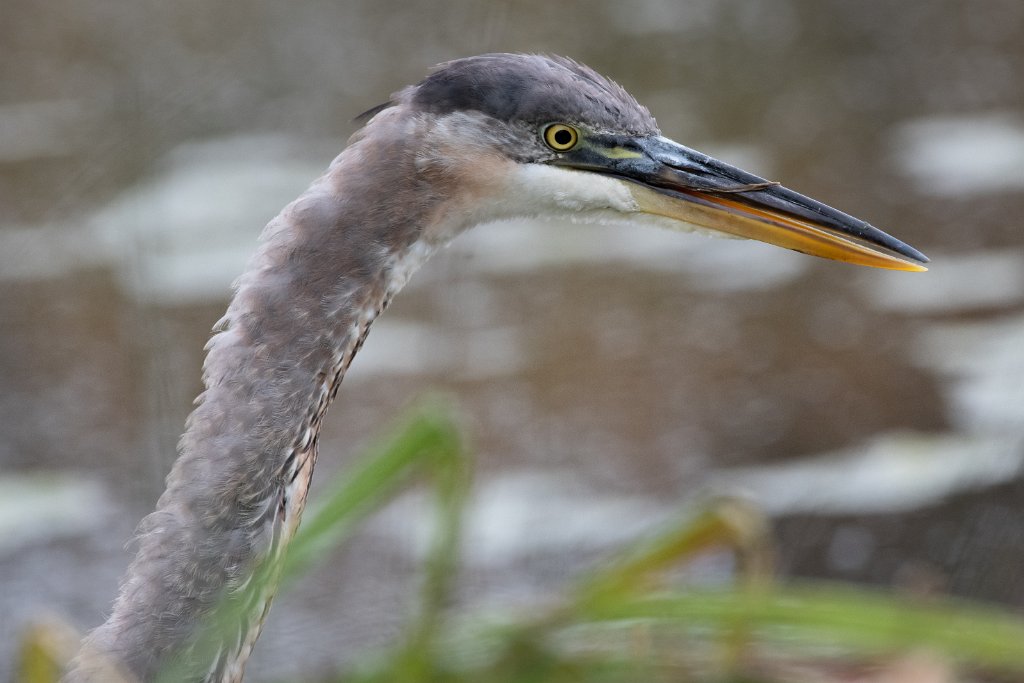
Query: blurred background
[{"x": 605, "y": 380}]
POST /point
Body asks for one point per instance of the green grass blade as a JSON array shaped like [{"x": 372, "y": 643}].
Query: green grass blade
[
  {"x": 856, "y": 618},
  {"x": 420, "y": 440}
]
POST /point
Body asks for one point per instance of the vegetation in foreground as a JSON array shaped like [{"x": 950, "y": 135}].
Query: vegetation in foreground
[{"x": 629, "y": 620}]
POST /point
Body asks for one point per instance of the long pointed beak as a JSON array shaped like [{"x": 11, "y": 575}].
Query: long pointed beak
[{"x": 685, "y": 185}]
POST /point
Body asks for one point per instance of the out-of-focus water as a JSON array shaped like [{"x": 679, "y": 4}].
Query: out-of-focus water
[{"x": 606, "y": 376}]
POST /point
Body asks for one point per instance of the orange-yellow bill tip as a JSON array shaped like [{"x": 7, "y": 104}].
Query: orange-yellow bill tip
[{"x": 765, "y": 225}]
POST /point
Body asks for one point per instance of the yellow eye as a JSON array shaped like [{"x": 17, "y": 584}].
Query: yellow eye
[{"x": 561, "y": 137}]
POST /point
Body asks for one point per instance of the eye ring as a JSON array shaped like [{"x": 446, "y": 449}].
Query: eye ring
[{"x": 561, "y": 137}]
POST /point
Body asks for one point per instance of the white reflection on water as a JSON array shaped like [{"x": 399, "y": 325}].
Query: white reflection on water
[
  {"x": 183, "y": 235},
  {"x": 48, "y": 505},
  {"x": 963, "y": 155},
  {"x": 983, "y": 362},
  {"x": 957, "y": 283},
  {"x": 528, "y": 513},
  {"x": 892, "y": 473},
  {"x": 403, "y": 347}
]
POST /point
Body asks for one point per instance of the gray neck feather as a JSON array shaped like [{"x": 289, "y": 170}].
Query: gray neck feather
[{"x": 325, "y": 267}]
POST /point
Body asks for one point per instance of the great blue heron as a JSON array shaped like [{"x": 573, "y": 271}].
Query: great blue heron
[{"x": 482, "y": 139}]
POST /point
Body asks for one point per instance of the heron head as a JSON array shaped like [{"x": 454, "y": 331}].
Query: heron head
[{"x": 530, "y": 135}]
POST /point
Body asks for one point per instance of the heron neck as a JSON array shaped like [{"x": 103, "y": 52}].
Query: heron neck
[{"x": 326, "y": 267}]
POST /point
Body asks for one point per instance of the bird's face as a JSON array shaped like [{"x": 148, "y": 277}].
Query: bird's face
[
  {"x": 558, "y": 169},
  {"x": 537, "y": 136},
  {"x": 671, "y": 181}
]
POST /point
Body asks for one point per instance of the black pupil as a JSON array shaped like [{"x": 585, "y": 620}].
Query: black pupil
[{"x": 563, "y": 137}]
